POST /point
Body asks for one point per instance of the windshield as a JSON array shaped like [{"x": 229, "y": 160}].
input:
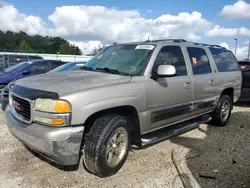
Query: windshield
[
  {"x": 68, "y": 67},
  {"x": 125, "y": 59},
  {"x": 17, "y": 67}
]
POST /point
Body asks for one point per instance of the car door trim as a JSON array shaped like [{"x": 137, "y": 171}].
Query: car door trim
[{"x": 181, "y": 109}]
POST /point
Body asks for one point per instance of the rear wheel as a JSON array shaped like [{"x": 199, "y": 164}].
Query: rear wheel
[
  {"x": 222, "y": 113},
  {"x": 107, "y": 145}
]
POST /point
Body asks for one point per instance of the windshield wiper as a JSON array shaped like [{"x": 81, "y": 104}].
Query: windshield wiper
[
  {"x": 86, "y": 68},
  {"x": 112, "y": 71}
]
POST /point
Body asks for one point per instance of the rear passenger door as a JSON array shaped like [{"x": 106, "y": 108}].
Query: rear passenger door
[{"x": 204, "y": 81}]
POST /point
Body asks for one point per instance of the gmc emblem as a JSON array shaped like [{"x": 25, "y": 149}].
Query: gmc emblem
[{"x": 16, "y": 105}]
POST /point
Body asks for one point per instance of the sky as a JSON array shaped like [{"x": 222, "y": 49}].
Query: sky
[{"x": 90, "y": 23}]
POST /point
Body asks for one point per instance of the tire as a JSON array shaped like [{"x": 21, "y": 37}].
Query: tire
[
  {"x": 219, "y": 117},
  {"x": 99, "y": 142}
]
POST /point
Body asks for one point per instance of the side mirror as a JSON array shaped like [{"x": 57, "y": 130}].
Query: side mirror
[
  {"x": 25, "y": 72},
  {"x": 166, "y": 70}
]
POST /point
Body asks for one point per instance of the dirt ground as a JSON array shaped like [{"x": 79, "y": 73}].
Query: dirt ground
[{"x": 206, "y": 157}]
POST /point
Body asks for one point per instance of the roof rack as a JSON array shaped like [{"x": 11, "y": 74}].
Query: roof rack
[
  {"x": 169, "y": 40},
  {"x": 184, "y": 41}
]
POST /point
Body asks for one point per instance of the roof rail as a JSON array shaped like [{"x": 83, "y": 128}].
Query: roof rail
[
  {"x": 170, "y": 40},
  {"x": 209, "y": 45}
]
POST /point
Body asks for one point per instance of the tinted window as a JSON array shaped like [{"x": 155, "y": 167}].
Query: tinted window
[
  {"x": 55, "y": 64},
  {"x": 244, "y": 65},
  {"x": 224, "y": 60},
  {"x": 171, "y": 55},
  {"x": 199, "y": 61},
  {"x": 14, "y": 59},
  {"x": 2, "y": 62},
  {"x": 39, "y": 67},
  {"x": 34, "y": 57},
  {"x": 17, "y": 67}
]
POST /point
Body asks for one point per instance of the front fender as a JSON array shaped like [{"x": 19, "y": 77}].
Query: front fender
[{"x": 81, "y": 113}]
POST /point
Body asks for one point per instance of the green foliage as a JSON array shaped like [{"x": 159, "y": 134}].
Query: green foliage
[
  {"x": 24, "y": 47},
  {"x": 68, "y": 48},
  {"x": 17, "y": 42}
]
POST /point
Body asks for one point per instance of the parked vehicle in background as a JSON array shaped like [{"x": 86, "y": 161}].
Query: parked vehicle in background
[
  {"x": 22, "y": 70},
  {"x": 8, "y": 60},
  {"x": 69, "y": 67},
  {"x": 129, "y": 94},
  {"x": 245, "y": 69}
]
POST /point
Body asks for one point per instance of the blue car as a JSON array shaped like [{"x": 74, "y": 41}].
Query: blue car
[
  {"x": 69, "y": 67},
  {"x": 23, "y": 70}
]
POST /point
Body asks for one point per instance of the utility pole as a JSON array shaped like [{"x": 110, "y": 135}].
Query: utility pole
[
  {"x": 248, "y": 51},
  {"x": 236, "y": 42}
]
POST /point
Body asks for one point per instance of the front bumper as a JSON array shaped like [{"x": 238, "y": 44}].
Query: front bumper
[
  {"x": 60, "y": 145},
  {"x": 4, "y": 102}
]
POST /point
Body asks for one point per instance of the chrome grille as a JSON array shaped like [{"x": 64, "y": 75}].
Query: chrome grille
[{"x": 21, "y": 107}]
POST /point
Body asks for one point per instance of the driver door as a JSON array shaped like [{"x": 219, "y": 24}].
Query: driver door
[{"x": 168, "y": 99}]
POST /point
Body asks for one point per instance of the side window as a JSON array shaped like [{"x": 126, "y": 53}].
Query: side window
[
  {"x": 171, "y": 55},
  {"x": 14, "y": 59},
  {"x": 39, "y": 68},
  {"x": 224, "y": 60},
  {"x": 199, "y": 61},
  {"x": 34, "y": 57},
  {"x": 55, "y": 64},
  {"x": 2, "y": 62}
]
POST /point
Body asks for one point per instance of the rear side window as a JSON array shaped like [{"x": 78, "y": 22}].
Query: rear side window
[
  {"x": 244, "y": 65},
  {"x": 14, "y": 59},
  {"x": 55, "y": 64},
  {"x": 34, "y": 57},
  {"x": 171, "y": 55},
  {"x": 199, "y": 60},
  {"x": 224, "y": 60}
]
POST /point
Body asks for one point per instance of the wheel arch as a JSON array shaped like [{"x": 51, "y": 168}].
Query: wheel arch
[
  {"x": 229, "y": 92},
  {"x": 128, "y": 111}
]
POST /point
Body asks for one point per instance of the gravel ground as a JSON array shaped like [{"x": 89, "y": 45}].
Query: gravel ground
[{"x": 220, "y": 152}]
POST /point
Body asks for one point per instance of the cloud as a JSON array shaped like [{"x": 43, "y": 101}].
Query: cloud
[
  {"x": 87, "y": 47},
  {"x": 218, "y": 31},
  {"x": 242, "y": 52},
  {"x": 149, "y": 10},
  {"x": 224, "y": 44},
  {"x": 112, "y": 25},
  {"x": 239, "y": 10},
  {"x": 104, "y": 25},
  {"x": 11, "y": 19}
]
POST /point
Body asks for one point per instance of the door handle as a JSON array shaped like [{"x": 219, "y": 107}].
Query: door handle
[
  {"x": 211, "y": 82},
  {"x": 188, "y": 85}
]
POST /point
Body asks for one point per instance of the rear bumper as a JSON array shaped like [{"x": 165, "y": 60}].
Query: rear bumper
[{"x": 59, "y": 145}]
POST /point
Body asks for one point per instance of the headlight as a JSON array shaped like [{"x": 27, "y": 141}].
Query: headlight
[
  {"x": 52, "y": 112},
  {"x": 53, "y": 106}
]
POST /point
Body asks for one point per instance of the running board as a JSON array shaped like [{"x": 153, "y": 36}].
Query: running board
[{"x": 173, "y": 130}]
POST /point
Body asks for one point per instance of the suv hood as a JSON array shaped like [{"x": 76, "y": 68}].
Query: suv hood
[{"x": 71, "y": 81}]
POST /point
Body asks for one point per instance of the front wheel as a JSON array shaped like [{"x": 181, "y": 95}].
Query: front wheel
[
  {"x": 222, "y": 113},
  {"x": 107, "y": 145}
]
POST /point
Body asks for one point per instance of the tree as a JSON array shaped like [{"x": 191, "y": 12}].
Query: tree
[
  {"x": 97, "y": 49},
  {"x": 68, "y": 48},
  {"x": 22, "y": 42},
  {"x": 24, "y": 47}
]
